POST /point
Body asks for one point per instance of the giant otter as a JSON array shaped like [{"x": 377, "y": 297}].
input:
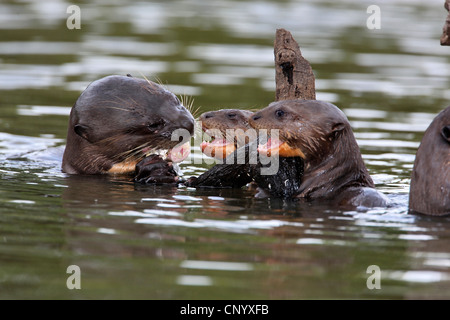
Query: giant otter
[
  {"x": 320, "y": 133},
  {"x": 430, "y": 179},
  {"x": 227, "y": 128},
  {"x": 319, "y": 158},
  {"x": 118, "y": 121}
]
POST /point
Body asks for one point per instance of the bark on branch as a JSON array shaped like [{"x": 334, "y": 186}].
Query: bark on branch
[
  {"x": 293, "y": 74},
  {"x": 445, "y": 38}
]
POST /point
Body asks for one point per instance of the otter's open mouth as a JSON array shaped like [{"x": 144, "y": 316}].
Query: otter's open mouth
[
  {"x": 179, "y": 153},
  {"x": 275, "y": 146},
  {"x": 218, "y": 147},
  {"x": 176, "y": 154}
]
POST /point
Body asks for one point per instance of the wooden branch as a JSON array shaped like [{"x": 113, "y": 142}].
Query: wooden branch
[
  {"x": 224, "y": 175},
  {"x": 445, "y": 38},
  {"x": 284, "y": 184},
  {"x": 293, "y": 74}
]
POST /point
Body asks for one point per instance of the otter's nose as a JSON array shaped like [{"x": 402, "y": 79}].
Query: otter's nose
[
  {"x": 189, "y": 125},
  {"x": 256, "y": 117}
]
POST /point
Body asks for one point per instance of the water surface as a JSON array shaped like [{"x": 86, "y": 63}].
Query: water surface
[{"x": 146, "y": 242}]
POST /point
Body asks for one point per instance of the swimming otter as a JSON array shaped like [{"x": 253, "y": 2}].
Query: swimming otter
[
  {"x": 118, "y": 121},
  {"x": 430, "y": 178},
  {"x": 320, "y": 133}
]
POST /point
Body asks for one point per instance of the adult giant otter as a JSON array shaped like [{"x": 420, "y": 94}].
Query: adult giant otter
[
  {"x": 320, "y": 133},
  {"x": 430, "y": 179},
  {"x": 118, "y": 121}
]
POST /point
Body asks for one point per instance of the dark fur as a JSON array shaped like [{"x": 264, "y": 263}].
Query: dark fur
[
  {"x": 115, "y": 119},
  {"x": 333, "y": 166},
  {"x": 430, "y": 179},
  {"x": 225, "y": 119}
]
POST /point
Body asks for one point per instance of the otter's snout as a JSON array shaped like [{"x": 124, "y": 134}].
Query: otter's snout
[
  {"x": 189, "y": 125},
  {"x": 186, "y": 121},
  {"x": 182, "y": 119}
]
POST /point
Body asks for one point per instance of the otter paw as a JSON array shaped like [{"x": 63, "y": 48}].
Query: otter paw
[{"x": 155, "y": 170}]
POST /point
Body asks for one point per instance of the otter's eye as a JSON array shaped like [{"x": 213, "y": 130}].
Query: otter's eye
[
  {"x": 156, "y": 125},
  {"x": 279, "y": 113},
  {"x": 445, "y": 132}
]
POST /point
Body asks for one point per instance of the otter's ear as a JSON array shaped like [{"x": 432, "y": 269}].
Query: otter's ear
[
  {"x": 445, "y": 133},
  {"x": 336, "y": 128},
  {"x": 82, "y": 131}
]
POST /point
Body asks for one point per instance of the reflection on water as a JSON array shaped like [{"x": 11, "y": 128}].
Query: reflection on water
[{"x": 159, "y": 242}]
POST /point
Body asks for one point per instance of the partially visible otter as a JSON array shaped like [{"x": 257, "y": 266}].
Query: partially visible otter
[
  {"x": 430, "y": 179},
  {"x": 320, "y": 133},
  {"x": 118, "y": 121},
  {"x": 225, "y": 125}
]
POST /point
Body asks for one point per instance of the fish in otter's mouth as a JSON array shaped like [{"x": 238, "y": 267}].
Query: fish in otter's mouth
[{"x": 275, "y": 146}]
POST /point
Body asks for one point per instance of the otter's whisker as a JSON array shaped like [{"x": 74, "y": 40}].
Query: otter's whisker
[
  {"x": 105, "y": 105},
  {"x": 187, "y": 101},
  {"x": 122, "y": 109},
  {"x": 195, "y": 112},
  {"x": 133, "y": 153},
  {"x": 160, "y": 82},
  {"x": 157, "y": 79}
]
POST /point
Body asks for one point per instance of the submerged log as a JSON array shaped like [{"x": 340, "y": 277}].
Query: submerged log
[
  {"x": 229, "y": 174},
  {"x": 284, "y": 184}
]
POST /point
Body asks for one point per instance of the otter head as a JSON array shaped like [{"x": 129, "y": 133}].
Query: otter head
[
  {"x": 227, "y": 129},
  {"x": 119, "y": 120},
  {"x": 430, "y": 179},
  {"x": 320, "y": 134},
  {"x": 306, "y": 128}
]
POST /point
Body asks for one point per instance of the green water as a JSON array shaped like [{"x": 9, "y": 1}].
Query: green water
[{"x": 144, "y": 242}]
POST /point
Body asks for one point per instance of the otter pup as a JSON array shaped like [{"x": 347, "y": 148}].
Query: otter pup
[
  {"x": 216, "y": 124},
  {"x": 231, "y": 175},
  {"x": 430, "y": 179},
  {"x": 320, "y": 134},
  {"x": 118, "y": 121}
]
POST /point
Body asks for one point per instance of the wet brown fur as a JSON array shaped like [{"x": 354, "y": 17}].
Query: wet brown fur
[
  {"x": 333, "y": 162},
  {"x": 117, "y": 121},
  {"x": 228, "y": 119},
  {"x": 430, "y": 180}
]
